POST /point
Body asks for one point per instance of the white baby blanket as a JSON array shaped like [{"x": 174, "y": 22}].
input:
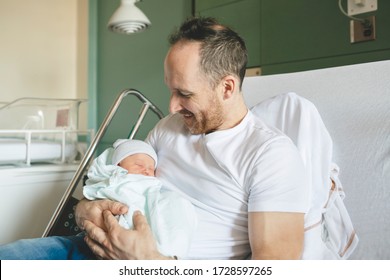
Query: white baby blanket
[
  {"x": 171, "y": 217},
  {"x": 327, "y": 221}
]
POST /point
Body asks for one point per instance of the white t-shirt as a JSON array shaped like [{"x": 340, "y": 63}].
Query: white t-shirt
[{"x": 226, "y": 174}]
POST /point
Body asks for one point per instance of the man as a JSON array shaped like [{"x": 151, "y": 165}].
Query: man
[{"x": 246, "y": 180}]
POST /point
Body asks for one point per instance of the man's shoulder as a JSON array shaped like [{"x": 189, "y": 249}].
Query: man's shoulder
[
  {"x": 170, "y": 120},
  {"x": 261, "y": 130},
  {"x": 170, "y": 126}
]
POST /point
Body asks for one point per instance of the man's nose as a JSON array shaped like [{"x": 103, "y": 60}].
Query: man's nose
[{"x": 174, "y": 104}]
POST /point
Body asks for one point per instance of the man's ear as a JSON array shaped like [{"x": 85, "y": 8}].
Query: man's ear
[{"x": 229, "y": 86}]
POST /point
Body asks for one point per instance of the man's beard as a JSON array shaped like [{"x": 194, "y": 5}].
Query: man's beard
[{"x": 204, "y": 121}]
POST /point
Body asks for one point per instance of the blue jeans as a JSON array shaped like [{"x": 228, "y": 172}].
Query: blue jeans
[{"x": 48, "y": 248}]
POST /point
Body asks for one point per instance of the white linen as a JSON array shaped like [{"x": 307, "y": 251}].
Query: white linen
[
  {"x": 354, "y": 103},
  {"x": 299, "y": 119},
  {"x": 13, "y": 151}
]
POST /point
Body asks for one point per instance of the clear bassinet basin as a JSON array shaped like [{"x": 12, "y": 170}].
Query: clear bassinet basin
[{"x": 41, "y": 130}]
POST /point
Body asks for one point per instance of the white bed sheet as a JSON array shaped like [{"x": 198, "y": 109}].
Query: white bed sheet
[
  {"x": 354, "y": 102},
  {"x": 14, "y": 150}
]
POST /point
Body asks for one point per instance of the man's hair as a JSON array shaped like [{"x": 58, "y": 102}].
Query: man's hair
[{"x": 222, "y": 52}]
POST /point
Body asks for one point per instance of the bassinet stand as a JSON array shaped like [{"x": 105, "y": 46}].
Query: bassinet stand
[{"x": 68, "y": 201}]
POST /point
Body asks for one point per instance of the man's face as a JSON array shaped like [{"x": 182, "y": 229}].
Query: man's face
[{"x": 191, "y": 94}]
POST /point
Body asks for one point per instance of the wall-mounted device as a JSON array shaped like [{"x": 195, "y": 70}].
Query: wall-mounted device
[
  {"x": 361, "y": 29},
  {"x": 356, "y": 7}
]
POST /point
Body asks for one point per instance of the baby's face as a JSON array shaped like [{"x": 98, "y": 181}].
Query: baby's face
[{"x": 138, "y": 164}]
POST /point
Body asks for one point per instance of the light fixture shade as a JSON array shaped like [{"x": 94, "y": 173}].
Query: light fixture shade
[{"x": 128, "y": 19}]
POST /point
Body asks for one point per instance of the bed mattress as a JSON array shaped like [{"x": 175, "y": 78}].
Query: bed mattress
[{"x": 13, "y": 151}]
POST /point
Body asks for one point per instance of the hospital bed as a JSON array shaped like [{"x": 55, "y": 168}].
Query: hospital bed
[
  {"x": 40, "y": 149},
  {"x": 354, "y": 103}
]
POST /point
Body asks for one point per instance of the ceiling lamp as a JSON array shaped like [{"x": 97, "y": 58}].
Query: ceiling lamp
[{"x": 128, "y": 18}]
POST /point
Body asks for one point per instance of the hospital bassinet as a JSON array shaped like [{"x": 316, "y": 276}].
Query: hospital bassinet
[
  {"x": 40, "y": 130},
  {"x": 40, "y": 149}
]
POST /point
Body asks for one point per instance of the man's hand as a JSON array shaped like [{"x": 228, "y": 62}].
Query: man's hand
[
  {"x": 93, "y": 211},
  {"x": 117, "y": 242}
]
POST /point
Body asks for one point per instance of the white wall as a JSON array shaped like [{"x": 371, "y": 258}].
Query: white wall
[{"x": 43, "y": 50}]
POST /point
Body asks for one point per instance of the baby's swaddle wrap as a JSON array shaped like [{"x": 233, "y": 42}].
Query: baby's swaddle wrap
[{"x": 171, "y": 217}]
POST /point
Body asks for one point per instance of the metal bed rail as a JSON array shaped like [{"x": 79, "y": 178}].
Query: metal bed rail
[{"x": 147, "y": 104}]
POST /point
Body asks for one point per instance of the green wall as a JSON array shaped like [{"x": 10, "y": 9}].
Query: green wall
[
  {"x": 135, "y": 61},
  {"x": 311, "y": 34},
  {"x": 242, "y": 16},
  {"x": 282, "y": 36},
  {"x": 295, "y": 35}
]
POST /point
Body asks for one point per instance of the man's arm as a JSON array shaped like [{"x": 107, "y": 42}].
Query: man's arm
[{"x": 276, "y": 235}]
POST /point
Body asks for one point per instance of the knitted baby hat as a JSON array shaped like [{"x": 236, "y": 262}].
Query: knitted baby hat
[{"x": 126, "y": 147}]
